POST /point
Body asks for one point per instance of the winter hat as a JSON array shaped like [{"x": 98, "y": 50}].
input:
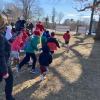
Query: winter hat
[
  {"x": 39, "y": 22},
  {"x": 18, "y": 17},
  {"x": 3, "y": 20},
  {"x": 8, "y": 33},
  {"x": 37, "y": 33}
]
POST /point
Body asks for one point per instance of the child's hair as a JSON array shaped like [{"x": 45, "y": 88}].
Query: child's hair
[
  {"x": 28, "y": 39},
  {"x": 47, "y": 31},
  {"x": 52, "y": 34},
  {"x": 68, "y": 31},
  {"x": 19, "y": 32},
  {"x": 14, "y": 30}
]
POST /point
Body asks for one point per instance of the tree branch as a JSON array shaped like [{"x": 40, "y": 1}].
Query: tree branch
[{"x": 93, "y": 6}]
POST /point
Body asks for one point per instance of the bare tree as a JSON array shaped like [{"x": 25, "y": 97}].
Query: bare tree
[
  {"x": 39, "y": 12},
  {"x": 15, "y": 11},
  {"x": 60, "y": 16},
  {"x": 1, "y": 6},
  {"x": 27, "y": 7}
]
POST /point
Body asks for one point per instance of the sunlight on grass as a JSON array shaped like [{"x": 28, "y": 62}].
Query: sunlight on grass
[
  {"x": 26, "y": 84},
  {"x": 46, "y": 88}
]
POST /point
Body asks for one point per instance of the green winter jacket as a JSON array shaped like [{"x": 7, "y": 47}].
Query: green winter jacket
[
  {"x": 32, "y": 45},
  {"x": 44, "y": 40}
]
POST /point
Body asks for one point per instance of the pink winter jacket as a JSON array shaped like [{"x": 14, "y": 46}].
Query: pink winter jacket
[{"x": 15, "y": 46}]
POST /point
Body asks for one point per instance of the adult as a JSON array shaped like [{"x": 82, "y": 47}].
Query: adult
[
  {"x": 18, "y": 25},
  {"x": 40, "y": 27},
  {"x": 5, "y": 69},
  {"x": 22, "y": 24},
  {"x": 31, "y": 27}
]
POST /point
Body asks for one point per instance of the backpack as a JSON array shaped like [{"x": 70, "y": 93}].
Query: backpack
[{"x": 14, "y": 36}]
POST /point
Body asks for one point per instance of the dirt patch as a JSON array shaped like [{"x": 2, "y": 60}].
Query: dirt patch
[{"x": 72, "y": 76}]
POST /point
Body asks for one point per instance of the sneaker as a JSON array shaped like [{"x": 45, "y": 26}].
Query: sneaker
[
  {"x": 33, "y": 71},
  {"x": 42, "y": 78},
  {"x": 67, "y": 50},
  {"x": 17, "y": 68}
]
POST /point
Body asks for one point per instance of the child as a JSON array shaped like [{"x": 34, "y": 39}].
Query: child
[
  {"x": 45, "y": 59},
  {"x": 52, "y": 43},
  {"x": 47, "y": 34},
  {"x": 28, "y": 39},
  {"x": 15, "y": 47},
  {"x": 24, "y": 35},
  {"x": 27, "y": 32},
  {"x": 44, "y": 39},
  {"x": 30, "y": 52},
  {"x": 66, "y": 36},
  {"x": 14, "y": 34}
]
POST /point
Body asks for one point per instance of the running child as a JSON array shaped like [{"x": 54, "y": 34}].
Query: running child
[
  {"x": 66, "y": 37},
  {"x": 45, "y": 59},
  {"x": 52, "y": 43},
  {"x": 16, "y": 46},
  {"x": 30, "y": 52},
  {"x": 28, "y": 39}
]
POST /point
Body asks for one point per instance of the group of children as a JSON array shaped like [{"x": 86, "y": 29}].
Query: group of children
[{"x": 25, "y": 42}]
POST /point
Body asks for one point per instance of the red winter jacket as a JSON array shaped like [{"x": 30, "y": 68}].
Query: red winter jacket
[
  {"x": 24, "y": 36},
  {"x": 66, "y": 36},
  {"x": 41, "y": 27},
  {"x": 15, "y": 46}
]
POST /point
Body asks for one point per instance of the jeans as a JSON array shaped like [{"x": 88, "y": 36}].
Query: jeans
[{"x": 27, "y": 59}]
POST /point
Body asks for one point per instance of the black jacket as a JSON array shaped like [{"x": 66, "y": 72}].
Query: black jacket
[
  {"x": 31, "y": 26},
  {"x": 22, "y": 24},
  {"x": 5, "y": 49},
  {"x": 54, "y": 41},
  {"x": 45, "y": 58},
  {"x": 18, "y": 26}
]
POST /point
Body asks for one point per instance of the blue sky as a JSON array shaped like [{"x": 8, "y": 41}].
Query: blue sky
[{"x": 67, "y": 9}]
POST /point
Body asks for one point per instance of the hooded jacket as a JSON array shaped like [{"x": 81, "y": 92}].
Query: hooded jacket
[
  {"x": 8, "y": 34},
  {"x": 5, "y": 49},
  {"x": 16, "y": 44},
  {"x": 24, "y": 36},
  {"x": 45, "y": 58}
]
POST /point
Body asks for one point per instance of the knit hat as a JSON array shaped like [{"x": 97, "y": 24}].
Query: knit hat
[
  {"x": 39, "y": 22},
  {"x": 18, "y": 17},
  {"x": 3, "y": 20},
  {"x": 37, "y": 33}
]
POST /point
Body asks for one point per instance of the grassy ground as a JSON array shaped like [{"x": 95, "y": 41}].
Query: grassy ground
[{"x": 72, "y": 76}]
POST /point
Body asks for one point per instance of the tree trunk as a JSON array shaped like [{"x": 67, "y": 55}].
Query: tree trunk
[{"x": 97, "y": 37}]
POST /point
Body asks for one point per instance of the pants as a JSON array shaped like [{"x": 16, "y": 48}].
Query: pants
[
  {"x": 9, "y": 84},
  {"x": 44, "y": 70},
  {"x": 27, "y": 59}
]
